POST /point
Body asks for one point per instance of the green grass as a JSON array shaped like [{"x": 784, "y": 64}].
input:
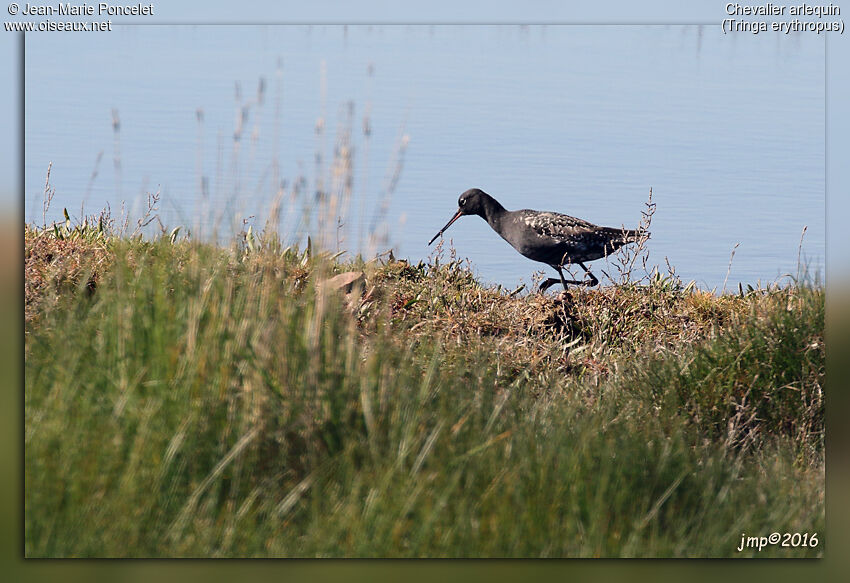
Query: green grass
[{"x": 187, "y": 400}]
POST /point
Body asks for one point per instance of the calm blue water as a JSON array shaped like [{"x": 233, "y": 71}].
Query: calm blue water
[{"x": 728, "y": 131}]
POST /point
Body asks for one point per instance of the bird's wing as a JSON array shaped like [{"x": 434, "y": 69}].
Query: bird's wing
[{"x": 555, "y": 225}]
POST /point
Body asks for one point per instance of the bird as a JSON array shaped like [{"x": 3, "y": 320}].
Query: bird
[{"x": 548, "y": 237}]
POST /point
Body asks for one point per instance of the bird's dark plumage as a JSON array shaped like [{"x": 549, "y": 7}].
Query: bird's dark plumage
[{"x": 548, "y": 237}]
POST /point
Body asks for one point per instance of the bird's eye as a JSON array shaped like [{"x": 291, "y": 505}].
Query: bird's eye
[{"x": 462, "y": 201}]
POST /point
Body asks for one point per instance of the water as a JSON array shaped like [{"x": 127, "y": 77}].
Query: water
[{"x": 728, "y": 131}]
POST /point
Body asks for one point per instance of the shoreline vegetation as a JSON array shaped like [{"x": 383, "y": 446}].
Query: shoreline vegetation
[{"x": 184, "y": 399}]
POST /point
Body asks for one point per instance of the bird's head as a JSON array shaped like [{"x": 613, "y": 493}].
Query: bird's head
[{"x": 471, "y": 202}]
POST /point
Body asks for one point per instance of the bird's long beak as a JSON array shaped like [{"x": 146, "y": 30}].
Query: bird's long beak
[{"x": 458, "y": 214}]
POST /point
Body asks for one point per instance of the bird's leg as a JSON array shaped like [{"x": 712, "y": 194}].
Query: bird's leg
[
  {"x": 564, "y": 282},
  {"x": 552, "y": 281},
  {"x": 561, "y": 275},
  {"x": 593, "y": 281},
  {"x": 547, "y": 284}
]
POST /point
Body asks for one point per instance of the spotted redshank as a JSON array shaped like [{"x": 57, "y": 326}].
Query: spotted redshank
[{"x": 551, "y": 238}]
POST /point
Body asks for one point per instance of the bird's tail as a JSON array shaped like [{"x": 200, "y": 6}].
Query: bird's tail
[
  {"x": 625, "y": 236},
  {"x": 633, "y": 235},
  {"x": 620, "y": 237}
]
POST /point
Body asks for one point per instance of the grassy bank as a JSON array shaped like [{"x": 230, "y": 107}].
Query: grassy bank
[{"x": 187, "y": 400}]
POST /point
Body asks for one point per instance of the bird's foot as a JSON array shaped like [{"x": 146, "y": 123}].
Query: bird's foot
[
  {"x": 553, "y": 280},
  {"x": 547, "y": 284},
  {"x": 584, "y": 282},
  {"x": 592, "y": 282}
]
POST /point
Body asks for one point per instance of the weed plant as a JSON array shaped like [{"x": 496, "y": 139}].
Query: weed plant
[{"x": 186, "y": 400}]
